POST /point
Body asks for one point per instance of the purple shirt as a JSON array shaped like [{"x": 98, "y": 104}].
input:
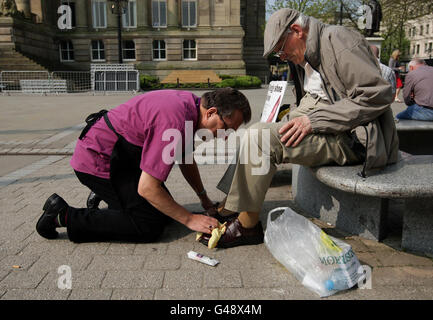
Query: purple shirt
[{"x": 144, "y": 121}]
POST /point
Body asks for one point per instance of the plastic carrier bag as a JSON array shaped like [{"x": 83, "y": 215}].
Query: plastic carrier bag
[{"x": 322, "y": 263}]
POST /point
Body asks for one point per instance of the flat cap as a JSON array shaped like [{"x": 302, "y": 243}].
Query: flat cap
[{"x": 275, "y": 27}]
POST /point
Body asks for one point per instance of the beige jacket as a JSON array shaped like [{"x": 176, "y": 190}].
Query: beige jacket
[{"x": 353, "y": 83}]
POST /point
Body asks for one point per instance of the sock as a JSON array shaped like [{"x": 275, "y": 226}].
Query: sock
[
  {"x": 222, "y": 211},
  {"x": 248, "y": 220},
  {"x": 61, "y": 219}
]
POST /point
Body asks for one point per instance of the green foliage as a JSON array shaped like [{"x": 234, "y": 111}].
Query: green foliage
[
  {"x": 320, "y": 9},
  {"x": 396, "y": 14},
  {"x": 226, "y": 83},
  {"x": 247, "y": 82},
  {"x": 152, "y": 83},
  {"x": 226, "y": 76},
  {"x": 395, "y": 17},
  {"x": 149, "y": 82}
]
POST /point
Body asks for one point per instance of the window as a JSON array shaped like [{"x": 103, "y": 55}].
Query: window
[
  {"x": 129, "y": 18},
  {"x": 417, "y": 49},
  {"x": 421, "y": 30},
  {"x": 66, "y": 50},
  {"x": 128, "y": 50},
  {"x": 189, "y": 50},
  {"x": 159, "y": 13},
  {"x": 99, "y": 13},
  {"x": 427, "y": 28},
  {"x": 159, "y": 52},
  {"x": 430, "y": 49},
  {"x": 426, "y": 47},
  {"x": 98, "y": 52},
  {"x": 73, "y": 12},
  {"x": 189, "y": 13}
]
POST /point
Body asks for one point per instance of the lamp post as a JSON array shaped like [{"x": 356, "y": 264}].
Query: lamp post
[{"x": 118, "y": 8}]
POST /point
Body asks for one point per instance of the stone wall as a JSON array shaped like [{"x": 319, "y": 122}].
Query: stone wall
[{"x": 223, "y": 44}]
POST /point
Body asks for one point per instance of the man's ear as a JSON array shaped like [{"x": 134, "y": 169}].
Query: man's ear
[
  {"x": 211, "y": 111},
  {"x": 296, "y": 28}
]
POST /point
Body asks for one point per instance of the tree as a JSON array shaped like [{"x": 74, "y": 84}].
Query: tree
[
  {"x": 320, "y": 9},
  {"x": 396, "y": 14}
]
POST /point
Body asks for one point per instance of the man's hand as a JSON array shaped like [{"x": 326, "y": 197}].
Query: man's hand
[
  {"x": 201, "y": 223},
  {"x": 295, "y": 130},
  {"x": 150, "y": 188}
]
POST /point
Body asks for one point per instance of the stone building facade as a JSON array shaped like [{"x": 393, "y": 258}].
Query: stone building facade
[
  {"x": 420, "y": 34},
  {"x": 158, "y": 36}
]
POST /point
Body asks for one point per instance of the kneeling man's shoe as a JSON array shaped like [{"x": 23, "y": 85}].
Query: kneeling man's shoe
[
  {"x": 93, "y": 201},
  {"x": 236, "y": 235},
  {"x": 46, "y": 225}
]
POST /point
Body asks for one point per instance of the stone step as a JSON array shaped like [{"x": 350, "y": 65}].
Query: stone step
[
  {"x": 7, "y": 45},
  {"x": 7, "y": 52},
  {"x": 5, "y": 38},
  {"x": 12, "y": 58},
  {"x": 21, "y": 67},
  {"x": 16, "y": 61},
  {"x": 5, "y": 31}
]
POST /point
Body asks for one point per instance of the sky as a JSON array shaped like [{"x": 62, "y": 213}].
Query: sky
[{"x": 268, "y": 3}]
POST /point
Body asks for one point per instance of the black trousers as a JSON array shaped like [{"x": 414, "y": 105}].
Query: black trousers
[{"x": 139, "y": 223}]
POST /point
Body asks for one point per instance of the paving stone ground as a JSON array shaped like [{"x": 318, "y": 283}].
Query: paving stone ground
[{"x": 29, "y": 264}]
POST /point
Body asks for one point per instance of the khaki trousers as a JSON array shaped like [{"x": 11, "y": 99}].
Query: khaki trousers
[{"x": 247, "y": 181}]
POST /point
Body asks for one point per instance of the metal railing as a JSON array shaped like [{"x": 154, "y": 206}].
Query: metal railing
[{"x": 97, "y": 80}]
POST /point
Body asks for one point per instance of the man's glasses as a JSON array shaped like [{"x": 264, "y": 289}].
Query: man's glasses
[
  {"x": 226, "y": 127},
  {"x": 281, "y": 51}
]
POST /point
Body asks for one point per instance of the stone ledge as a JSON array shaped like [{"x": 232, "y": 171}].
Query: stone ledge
[
  {"x": 410, "y": 177},
  {"x": 413, "y": 125}
]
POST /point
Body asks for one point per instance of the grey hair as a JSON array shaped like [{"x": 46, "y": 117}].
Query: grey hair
[
  {"x": 302, "y": 21},
  {"x": 415, "y": 62}
]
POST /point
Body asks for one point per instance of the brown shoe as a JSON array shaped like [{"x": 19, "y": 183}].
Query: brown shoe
[{"x": 236, "y": 235}]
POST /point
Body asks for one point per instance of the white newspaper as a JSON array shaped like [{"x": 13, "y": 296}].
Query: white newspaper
[{"x": 273, "y": 101}]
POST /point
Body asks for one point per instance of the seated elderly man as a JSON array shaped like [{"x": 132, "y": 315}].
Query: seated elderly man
[
  {"x": 343, "y": 116},
  {"x": 417, "y": 92}
]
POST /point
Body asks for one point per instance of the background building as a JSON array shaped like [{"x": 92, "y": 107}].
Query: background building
[
  {"x": 420, "y": 34},
  {"x": 158, "y": 36}
]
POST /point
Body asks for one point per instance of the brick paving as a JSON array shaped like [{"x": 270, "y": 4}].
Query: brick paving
[{"x": 29, "y": 264}]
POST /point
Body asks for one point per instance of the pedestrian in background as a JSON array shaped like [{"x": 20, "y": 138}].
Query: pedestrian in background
[
  {"x": 418, "y": 92},
  {"x": 387, "y": 73},
  {"x": 394, "y": 64}
]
